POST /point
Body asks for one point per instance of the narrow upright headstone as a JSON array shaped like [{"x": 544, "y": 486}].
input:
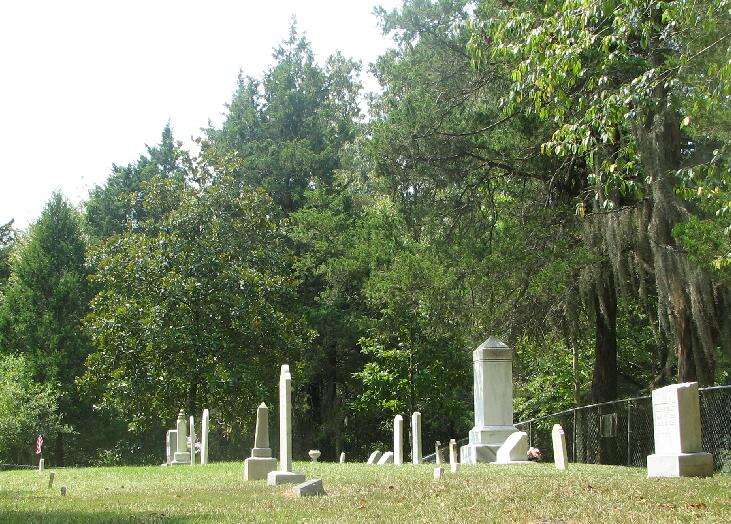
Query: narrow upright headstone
[
  {"x": 438, "y": 472},
  {"x": 416, "y": 438},
  {"x": 398, "y": 440},
  {"x": 374, "y": 457},
  {"x": 453, "y": 452},
  {"x": 51, "y": 476},
  {"x": 204, "y": 437},
  {"x": 285, "y": 475},
  {"x": 492, "y": 370},
  {"x": 41, "y": 464},
  {"x": 63, "y": 491},
  {"x": 181, "y": 455},
  {"x": 514, "y": 450},
  {"x": 677, "y": 424},
  {"x": 192, "y": 441},
  {"x": 437, "y": 453},
  {"x": 558, "y": 438},
  {"x": 454, "y": 466},
  {"x": 260, "y": 463},
  {"x": 342, "y": 457},
  {"x": 171, "y": 445}
]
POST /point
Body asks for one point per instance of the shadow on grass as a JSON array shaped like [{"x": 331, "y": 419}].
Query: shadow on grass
[{"x": 85, "y": 516}]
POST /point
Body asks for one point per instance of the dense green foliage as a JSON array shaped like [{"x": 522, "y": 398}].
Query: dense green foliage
[{"x": 552, "y": 173}]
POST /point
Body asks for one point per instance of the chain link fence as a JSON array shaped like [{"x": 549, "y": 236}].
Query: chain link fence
[{"x": 621, "y": 432}]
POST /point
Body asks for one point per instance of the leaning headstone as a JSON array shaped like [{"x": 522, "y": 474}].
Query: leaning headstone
[
  {"x": 204, "y": 437},
  {"x": 192, "y": 441},
  {"x": 41, "y": 464},
  {"x": 63, "y": 491},
  {"x": 51, "y": 476},
  {"x": 559, "y": 447},
  {"x": 514, "y": 450},
  {"x": 342, "y": 457},
  {"x": 285, "y": 475},
  {"x": 310, "y": 488},
  {"x": 375, "y": 457},
  {"x": 314, "y": 454},
  {"x": 416, "y": 438},
  {"x": 398, "y": 440},
  {"x": 438, "y": 472},
  {"x": 492, "y": 365},
  {"x": 437, "y": 453},
  {"x": 181, "y": 455},
  {"x": 386, "y": 458},
  {"x": 260, "y": 463},
  {"x": 677, "y": 424},
  {"x": 453, "y": 452}
]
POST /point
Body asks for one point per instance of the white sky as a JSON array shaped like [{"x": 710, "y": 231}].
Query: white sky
[{"x": 87, "y": 83}]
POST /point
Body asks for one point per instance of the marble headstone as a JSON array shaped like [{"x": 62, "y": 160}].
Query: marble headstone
[
  {"x": 398, "y": 440},
  {"x": 285, "y": 475},
  {"x": 204, "y": 437},
  {"x": 386, "y": 458},
  {"x": 560, "y": 457},
  {"x": 514, "y": 450},
  {"x": 260, "y": 463},
  {"x": 374, "y": 457},
  {"x": 416, "y": 438}
]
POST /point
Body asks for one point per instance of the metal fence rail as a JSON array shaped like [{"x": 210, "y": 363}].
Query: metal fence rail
[{"x": 621, "y": 432}]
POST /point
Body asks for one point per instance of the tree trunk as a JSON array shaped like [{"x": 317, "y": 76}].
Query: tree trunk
[{"x": 604, "y": 380}]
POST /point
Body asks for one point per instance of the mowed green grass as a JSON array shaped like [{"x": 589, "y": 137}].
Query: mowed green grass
[{"x": 359, "y": 493}]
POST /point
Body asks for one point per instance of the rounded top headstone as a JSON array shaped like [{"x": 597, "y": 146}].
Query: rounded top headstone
[
  {"x": 492, "y": 349},
  {"x": 181, "y": 415}
]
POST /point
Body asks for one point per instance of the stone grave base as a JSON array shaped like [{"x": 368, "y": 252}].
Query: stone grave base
[
  {"x": 275, "y": 478},
  {"x": 680, "y": 465},
  {"x": 181, "y": 458},
  {"x": 257, "y": 468}
]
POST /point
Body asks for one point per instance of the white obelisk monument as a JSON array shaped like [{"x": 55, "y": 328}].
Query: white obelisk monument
[
  {"x": 285, "y": 475},
  {"x": 493, "y": 395}
]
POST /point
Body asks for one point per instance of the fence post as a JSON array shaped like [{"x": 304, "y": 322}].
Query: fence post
[
  {"x": 530, "y": 434},
  {"x": 629, "y": 429},
  {"x": 573, "y": 437}
]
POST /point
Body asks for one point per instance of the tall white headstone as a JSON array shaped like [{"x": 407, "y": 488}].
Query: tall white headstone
[
  {"x": 171, "y": 445},
  {"x": 204, "y": 437},
  {"x": 416, "y": 438},
  {"x": 285, "y": 475},
  {"x": 342, "y": 457},
  {"x": 560, "y": 457},
  {"x": 398, "y": 440},
  {"x": 260, "y": 463},
  {"x": 193, "y": 437},
  {"x": 453, "y": 452},
  {"x": 181, "y": 455},
  {"x": 493, "y": 398},
  {"x": 677, "y": 422}
]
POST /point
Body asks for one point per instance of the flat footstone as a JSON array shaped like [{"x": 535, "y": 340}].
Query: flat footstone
[
  {"x": 311, "y": 488},
  {"x": 275, "y": 478}
]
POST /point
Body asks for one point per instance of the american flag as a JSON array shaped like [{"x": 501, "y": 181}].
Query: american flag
[{"x": 39, "y": 445}]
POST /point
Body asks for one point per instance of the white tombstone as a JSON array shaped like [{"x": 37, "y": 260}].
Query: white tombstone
[
  {"x": 416, "y": 438},
  {"x": 492, "y": 365},
  {"x": 514, "y": 450},
  {"x": 181, "y": 455},
  {"x": 560, "y": 457},
  {"x": 171, "y": 445},
  {"x": 454, "y": 467},
  {"x": 310, "y": 488},
  {"x": 677, "y": 424},
  {"x": 204, "y": 437},
  {"x": 192, "y": 441},
  {"x": 285, "y": 475},
  {"x": 437, "y": 453},
  {"x": 386, "y": 458},
  {"x": 438, "y": 472},
  {"x": 342, "y": 457},
  {"x": 374, "y": 457},
  {"x": 41, "y": 464},
  {"x": 453, "y": 452},
  {"x": 398, "y": 440},
  {"x": 260, "y": 463}
]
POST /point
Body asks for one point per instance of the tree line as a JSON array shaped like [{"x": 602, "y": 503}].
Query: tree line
[{"x": 555, "y": 174}]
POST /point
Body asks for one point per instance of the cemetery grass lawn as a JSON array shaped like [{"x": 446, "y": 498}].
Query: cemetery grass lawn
[{"x": 357, "y": 492}]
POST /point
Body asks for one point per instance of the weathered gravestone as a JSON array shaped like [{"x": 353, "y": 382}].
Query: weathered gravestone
[
  {"x": 514, "y": 450},
  {"x": 677, "y": 424},
  {"x": 260, "y": 463},
  {"x": 171, "y": 443},
  {"x": 342, "y": 457},
  {"x": 285, "y": 475},
  {"x": 374, "y": 457},
  {"x": 453, "y": 452},
  {"x": 310, "y": 488},
  {"x": 438, "y": 473},
  {"x": 181, "y": 456},
  {"x": 560, "y": 457},
  {"x": 386, "y": 458},
  {"x": 437, "y": 453},
  {"x": 398, "y": 440},
  {"x": 492, "y": 365},
  {"x": 204, "y": 437},
  {"x": 192, "y": 441},
  {"x": 416, "y": 438}
]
